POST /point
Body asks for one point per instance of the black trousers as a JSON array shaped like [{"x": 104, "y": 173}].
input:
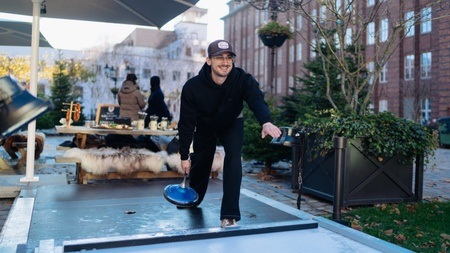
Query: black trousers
[{"x": 204, "y": 145}]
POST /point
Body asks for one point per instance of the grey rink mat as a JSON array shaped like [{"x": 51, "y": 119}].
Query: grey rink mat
[{"x": 120, "y": 209}]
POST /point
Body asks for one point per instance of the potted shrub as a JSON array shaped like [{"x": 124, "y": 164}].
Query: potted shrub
[
  {"x": 273, "y": 34},
  {"x": 385, "y": 154},
  {"x": 383, "y": 161}
]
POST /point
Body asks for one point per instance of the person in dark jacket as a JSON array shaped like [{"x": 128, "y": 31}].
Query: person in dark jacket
[
  {"x": 131, "y": 100},
  {"x": 211, "y": 110},
  {"x": 156, "y": 104}
]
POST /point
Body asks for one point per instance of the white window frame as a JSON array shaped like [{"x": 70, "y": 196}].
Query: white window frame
[
  {"x": 349, "y": 6},
  {"x": 279, "y": 59},
  {"x": 299, "y": 52},
  {"x": 348, "y": 36},
  {"x": 384, "y": 30},
  {"x": 370, "y": 35},
  {"x": 313, "y": 45},
  {"x": 425, "y": 111},
  {"x": 291, "y": 53},
  {"x": 314, "y": 15},
  {"x": 338, "y": 6},
  {"x": 425, "y": 65},
  {"x": 409, "y": 67},
  {"x": 409, "y": 24},
  {"x": 370, "y": 67},
  {"x": 383, "y": 74},
  {"x": 299, "y": 22},
  {"x": 323, "y": 13},
  {"x": 425, "y": 21},
  {"x": 382, "y": 105}
]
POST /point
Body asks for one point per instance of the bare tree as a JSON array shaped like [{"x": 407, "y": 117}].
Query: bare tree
[{"x": 382, "y": 24}]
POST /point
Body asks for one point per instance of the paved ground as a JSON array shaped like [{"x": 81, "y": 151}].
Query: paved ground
[{"x": 276, "y": 186}]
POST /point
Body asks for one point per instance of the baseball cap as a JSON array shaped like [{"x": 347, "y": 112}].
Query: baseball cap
[{"x": 220, "y": 46}]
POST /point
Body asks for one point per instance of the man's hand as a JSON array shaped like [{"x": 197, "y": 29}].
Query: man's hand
[
  {"x": 186, "y": 166},
  {"x": 270, "y": 129}
]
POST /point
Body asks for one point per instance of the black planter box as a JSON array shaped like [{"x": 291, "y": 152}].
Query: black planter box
[{"x": 366, "y": 180}]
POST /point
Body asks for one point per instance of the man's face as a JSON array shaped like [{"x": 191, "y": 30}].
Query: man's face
[{"x": 221, "y": 65}]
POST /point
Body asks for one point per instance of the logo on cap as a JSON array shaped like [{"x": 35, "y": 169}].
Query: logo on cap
[{"x": 223, "y": 45}]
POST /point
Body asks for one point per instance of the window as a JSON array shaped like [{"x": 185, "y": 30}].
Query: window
[
  {"x": 262, "y": 60},
  {"x": 409, "y": 67},
  {"x": 190, "y": 75},
  {"x": 383, "y": 74},
  {"x": 314, "y": 15},
  {"x": 425, "y": 65},
  {"x": 176, "y": 75},
  {"x": 291, "y": 83},
  {"x": 338, "y": 6},
  {"x": 384, "y": 30},
  {"x": 370, "y": 67},
  {"x": 349, "y": 6},
  {"x": 291, "y": 53},
  {"x": 425, "y": 112},
  {"x": 279, "y": 58},
  {"x": 425, "y": 24},
  {"x": 370, "y": 33},
  {"x": 147, "y": 73},
  {"x": 313, "y": 48},
  {"x": 409, "y": 23},
  {"x": 323, "y": 13},
  {"x": 337, "y": 41},
  {"x": 382, "y": 105},
  {"x": 299, "y": 22},
  {"x": 161, "y": 74},
  {"x": 408, "y": 108},
  {"x": 348, "y": 36},
  {"x": 299, "y": 51}
]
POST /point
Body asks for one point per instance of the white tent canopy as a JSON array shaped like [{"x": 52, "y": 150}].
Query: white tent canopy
[{"x": 16, "y": 33}]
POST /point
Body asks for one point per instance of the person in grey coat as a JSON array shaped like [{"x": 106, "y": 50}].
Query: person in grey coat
[{"x": 130, "y": 98}]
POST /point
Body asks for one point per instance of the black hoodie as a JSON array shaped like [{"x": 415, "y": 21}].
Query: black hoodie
[{"x": 206, "y": 105}]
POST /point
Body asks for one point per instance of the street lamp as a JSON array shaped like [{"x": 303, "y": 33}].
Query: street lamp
[
  {"x": 274, "y": 7},
  {"x": 111, "y": 73}
]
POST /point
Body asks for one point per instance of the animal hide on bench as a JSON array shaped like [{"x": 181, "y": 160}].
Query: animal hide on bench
[{"x": 100, "y": 161}]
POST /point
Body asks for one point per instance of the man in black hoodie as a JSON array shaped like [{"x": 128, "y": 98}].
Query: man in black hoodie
[{"x": 211, "y": 109}]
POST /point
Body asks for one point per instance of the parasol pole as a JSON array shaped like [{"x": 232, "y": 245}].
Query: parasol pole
[{"x": 31, "y": 138}]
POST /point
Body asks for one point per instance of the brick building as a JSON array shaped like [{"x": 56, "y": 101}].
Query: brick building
[{"x": 414, "y": 83}]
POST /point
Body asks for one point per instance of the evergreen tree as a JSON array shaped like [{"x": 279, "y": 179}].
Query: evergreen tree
[
  {"x": 61, "y": 91},
  {"x": 254, "y": 146}
]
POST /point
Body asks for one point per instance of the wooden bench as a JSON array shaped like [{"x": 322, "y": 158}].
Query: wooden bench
[{"x": 82, "y": 176}]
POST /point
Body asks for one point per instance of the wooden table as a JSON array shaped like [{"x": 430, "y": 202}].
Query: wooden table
[{"x": 82, "y": 132}]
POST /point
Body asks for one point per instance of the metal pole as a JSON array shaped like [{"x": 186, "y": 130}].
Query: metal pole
[
  {"x": 295, "y": 166},
  {"x": 31, "y": 137},
  {"x": 340, "y": 144},
  {"x": 272, "y": 71},
  {"x": 418, "y": 188}
]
